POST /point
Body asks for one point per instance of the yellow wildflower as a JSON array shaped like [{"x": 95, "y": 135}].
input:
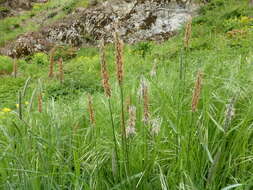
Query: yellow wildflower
[
  {"x": 6, "y": 110},
  {"x": 17, "y": 105}
]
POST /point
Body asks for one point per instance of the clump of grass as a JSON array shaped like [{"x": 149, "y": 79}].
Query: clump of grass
[
  {"x": 108, "y": 94},
  {"x": 120, "y": 74}
]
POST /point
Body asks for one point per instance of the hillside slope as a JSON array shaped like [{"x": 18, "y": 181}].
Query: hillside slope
[{"x": 187, "y": 110}]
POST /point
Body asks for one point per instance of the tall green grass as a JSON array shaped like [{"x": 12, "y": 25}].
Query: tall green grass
[{"x": 210, "y": 148}]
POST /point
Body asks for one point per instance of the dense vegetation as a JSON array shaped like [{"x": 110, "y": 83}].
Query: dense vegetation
[{"x": 188, "y": 111}]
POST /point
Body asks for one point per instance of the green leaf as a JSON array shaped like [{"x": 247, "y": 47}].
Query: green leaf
[{"x": 232, "y": 186}]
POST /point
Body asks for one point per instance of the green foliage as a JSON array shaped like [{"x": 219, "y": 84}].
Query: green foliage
[
  {"x": 6, "y": 64},
  {"x": 9, "y": 88},
  {"x": 84, "y": 65},
  {"x": 235, "y": 13},
  {"x": 213, "y": 4},
  {"x": 32, "y": 70},
  {"x": 65, "y": 52},
  {"x": 4, "y": 9},
  {"x": 243, "y": 22},
  {"x": 72, "y": 87},
  {"x": 143, "y": 48},
  {"x": 84, "y": 73},
  {"x": 40, "y": 59}
]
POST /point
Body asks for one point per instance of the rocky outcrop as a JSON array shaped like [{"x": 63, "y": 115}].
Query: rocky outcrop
[
  {"x": 16, "y": 4},
  {"x": 13, "y": 7},
  {"x": 137, "y": 20}
]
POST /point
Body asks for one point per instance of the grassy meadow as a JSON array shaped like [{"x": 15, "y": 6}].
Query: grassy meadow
[{"x": 178, "y": 117}]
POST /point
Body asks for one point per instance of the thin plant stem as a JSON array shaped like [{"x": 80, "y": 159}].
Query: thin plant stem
[
  {"x": 20, "y": 105},
  {"x": 124, "y": 141},
  {"x": 114, "y": 135}
]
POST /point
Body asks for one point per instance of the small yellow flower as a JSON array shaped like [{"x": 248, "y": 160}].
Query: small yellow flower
[
  {"x": 17, "y": 105},
  {"x": 26, "y": 103},
  {"x": 6, "y": 110}
]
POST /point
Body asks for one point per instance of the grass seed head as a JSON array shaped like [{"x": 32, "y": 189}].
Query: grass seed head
[
  {"x": 197, "y": 91},
  {"x": 154, "y": 69},
  {"x": 145, "y": 96},
  {"x": 188, "y": 33},
  {"x": 104, "y": 71},
  {"x": 40, "y": 102},
  {"x": 128, "y": 103},
  {"x": 119, "y": 57},
  {"x": 156, "y": 126},
  {"x": 91, "y": 110},
  {"x": 230, "y": 113},
  {"x": 130, "y": 130},
  {"x": 51, "y": 65}
]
